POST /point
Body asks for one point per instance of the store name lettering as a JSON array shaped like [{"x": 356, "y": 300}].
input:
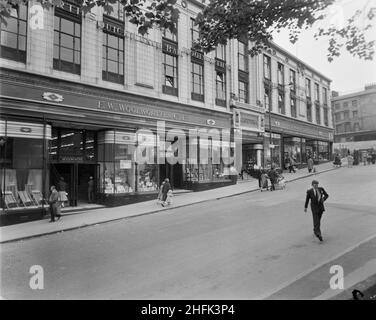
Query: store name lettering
[
  {"x": 169, "y": 48},
  {"x": 141, "y": 111}
]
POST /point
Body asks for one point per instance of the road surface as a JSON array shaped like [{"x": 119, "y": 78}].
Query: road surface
[{"x": 250, "y": 246}]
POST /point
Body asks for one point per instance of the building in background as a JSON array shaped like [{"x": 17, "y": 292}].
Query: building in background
[
  {"x": 296, "y": 100},
  {"x": 355, "y": 120}
]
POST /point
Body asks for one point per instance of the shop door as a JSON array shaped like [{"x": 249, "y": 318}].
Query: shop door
[
  {"x": 68, "y": 173},
  {"x": 173, "y": 172},
  {"x": 84, "y": 172}
]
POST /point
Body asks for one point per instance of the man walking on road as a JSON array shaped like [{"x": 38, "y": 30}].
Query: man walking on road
[{"x": 317, "y": 195}]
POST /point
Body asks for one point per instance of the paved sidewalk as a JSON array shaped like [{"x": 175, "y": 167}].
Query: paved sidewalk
[{"x": 92, "y": 217}]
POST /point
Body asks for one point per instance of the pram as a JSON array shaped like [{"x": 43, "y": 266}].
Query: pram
[{"x": 280, "y": 183}]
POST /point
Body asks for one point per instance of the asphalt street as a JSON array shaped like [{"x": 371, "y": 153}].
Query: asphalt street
[{"x": 250, "y": 246}]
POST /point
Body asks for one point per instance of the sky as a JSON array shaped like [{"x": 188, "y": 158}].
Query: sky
[{"x": 348, "y": 73}]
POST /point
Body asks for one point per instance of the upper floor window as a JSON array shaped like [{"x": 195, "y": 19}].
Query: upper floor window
[
  {"x": 346, "y": 104},
  {"x": 243, "y": 91},
  {"x": 267, "y": 98},
  {"x": 117, "y": 10},
  {"x": 267, "y": 67},
  {"x": 355, "y": 114},
  {"x": 113, "y": 58},
  {"x": 317, "y": 93},
  {"x": 170, "y": 74},
  {"x": 324, "y": 95},
  {"x": 309, "y": 112},
  {"x": 292, "y": 80},
  {"x": 173, "y": 36},
  {"x": 194, "y": 32},
  {"x": 220, "y": 88},
  {"x": 220, "y": 52},
  {"x": 293, "y": 107},
  {"x": 281, "y": 74},
  {"x": 197, "y": 81},
  {"x": 242, "y": 56},
  {"x": 318, "y": 115},
  {"x": 337, "y": 106},
  {"x": 13, "y": 35},
  {"x": 356, "y": 126},
  {"x": 354, "y": 103},
  {"x": 308, "y": 87},
  {"x": 67, "y": 40},
  {"x": 326, "y": 119},
  {"x": 346, "y": 114},
  {"x": 281, "y": 102}
]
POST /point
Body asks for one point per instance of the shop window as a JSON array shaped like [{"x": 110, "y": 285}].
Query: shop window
[
  {"x": 323, "y": 151},
  {"x": 13, "y": 35},
  {"x": 22, "y": 171}
]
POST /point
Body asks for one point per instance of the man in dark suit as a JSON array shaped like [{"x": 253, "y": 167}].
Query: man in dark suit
[{"x": 317, "y": 195}]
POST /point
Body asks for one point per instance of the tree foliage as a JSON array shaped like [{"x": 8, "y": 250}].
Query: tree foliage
[
  {"x": 253, "y": 20},
  {"x": 144, "y": 13},
  {"x": 256, "y": 20}
]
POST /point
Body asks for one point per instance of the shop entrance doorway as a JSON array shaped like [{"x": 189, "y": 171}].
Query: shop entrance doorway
[
  {"x": 173, "y": 172},
  {"x": 76, "y": 177}
]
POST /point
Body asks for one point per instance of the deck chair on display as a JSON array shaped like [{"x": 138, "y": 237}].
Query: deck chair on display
[
  {"x": 25, "y": 199},
  {"x": 38, "y": 197},
  {"x": 10, "y": 200}
]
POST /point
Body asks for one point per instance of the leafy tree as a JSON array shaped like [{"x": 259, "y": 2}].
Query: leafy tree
[
  {"x": 256, "y": 20},
  {"x": 253, "y": 20},
  {"x": 143, "y": 13}
]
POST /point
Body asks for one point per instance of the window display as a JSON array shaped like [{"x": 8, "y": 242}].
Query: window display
[
  {"x": 147, "y": 177},
  {"x": 21, "y": 160}
]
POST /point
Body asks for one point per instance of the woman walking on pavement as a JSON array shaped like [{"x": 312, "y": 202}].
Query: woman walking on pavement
[{"x": 165, "y": 189}]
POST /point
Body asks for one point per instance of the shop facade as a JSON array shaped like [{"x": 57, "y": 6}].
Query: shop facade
[
  {"x": 298, "y": 140},
  {"x": 53, "y": 130},
  {"x": 248, "y": 121}
]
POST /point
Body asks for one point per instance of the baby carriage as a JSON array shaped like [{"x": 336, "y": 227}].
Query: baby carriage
[
  {"x": 170, "y": 195},
  {"x": 280, "y": 183}
]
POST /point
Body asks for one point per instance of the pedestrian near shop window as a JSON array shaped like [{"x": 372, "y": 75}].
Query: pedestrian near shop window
[
  {"x": 291, "y": 164},
  {"x": 310, "y": 164},
  {"x": 62, "y": 186},
  {"x": 54, "y": 204},
  {"x": 317, "y": 195},
  {"x": 90, "y": 189},
  {"x": 165, "y": 189}
]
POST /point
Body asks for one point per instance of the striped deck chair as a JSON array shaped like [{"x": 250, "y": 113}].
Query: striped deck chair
[
  {"x": 38, "y": 197},
  {"x": 25, "y": 199},
  {"x": 10, "y": 200}
]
